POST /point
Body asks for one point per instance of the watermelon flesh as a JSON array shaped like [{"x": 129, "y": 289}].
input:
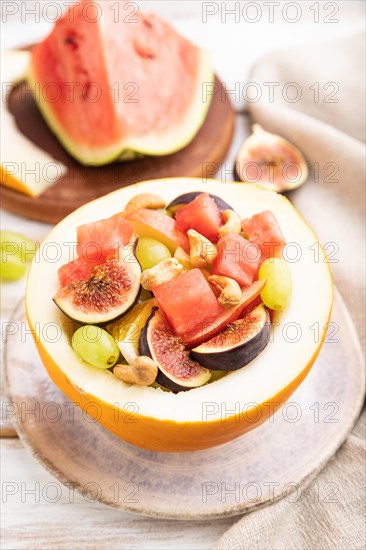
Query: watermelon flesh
[
  {"x": 96, "y": 241},
  {"x": 237, "y": 258},
  {"x": 188, "y": 303},
  {"x": 202, "y": 215},
  {"x": 77, "y": 270},
  {"x": 122, "y": 82},
  {"x": 264, "y": 230}
]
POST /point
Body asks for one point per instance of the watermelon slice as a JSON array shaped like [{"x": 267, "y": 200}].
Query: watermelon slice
[{"x": 113, "y": 80}]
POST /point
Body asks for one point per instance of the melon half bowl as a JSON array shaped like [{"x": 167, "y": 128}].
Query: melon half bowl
[{"x": 219, "y": 411}]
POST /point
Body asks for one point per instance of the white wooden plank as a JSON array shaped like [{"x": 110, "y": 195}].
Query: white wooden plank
[{"x": 31, "y": 520}]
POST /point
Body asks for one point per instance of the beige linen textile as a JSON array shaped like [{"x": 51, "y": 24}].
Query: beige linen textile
[{"x": 331, "y": 135}]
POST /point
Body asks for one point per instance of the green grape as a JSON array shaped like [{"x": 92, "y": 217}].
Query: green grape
[
  {"x": 96, "y": 346},
  {"x": 16, "y": 250},
  {"x": 16, "y": 244},
  {"x": 150, "y": 252},
  {"x": 278, "y": 288},
  {"x": 11, "y": 267}
]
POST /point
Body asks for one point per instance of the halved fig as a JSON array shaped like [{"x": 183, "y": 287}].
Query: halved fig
[
  {"x": 177, "y": 371},
  {"x": 186, "y": 198},
  {"x": 110, "y": 290},
  {"x": 238, "y": 344},
  {"x": 227, "y": 316},
  {"x": 271, "y": 162}
]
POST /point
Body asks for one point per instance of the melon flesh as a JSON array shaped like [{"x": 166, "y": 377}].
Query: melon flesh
[
  {"x": 120, "y": 85},
  {"x": 288, "y": 355},
  {"x": 18, "y": 154}
]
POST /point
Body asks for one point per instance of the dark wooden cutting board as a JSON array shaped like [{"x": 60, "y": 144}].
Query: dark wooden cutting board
[{"x": 82, "y": 184}]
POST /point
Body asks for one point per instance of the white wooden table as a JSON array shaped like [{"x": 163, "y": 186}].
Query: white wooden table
[{"x": 30, "y": 518}]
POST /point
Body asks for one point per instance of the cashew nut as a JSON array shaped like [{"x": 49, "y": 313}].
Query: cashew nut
[
  {"x": 202, "y": 251},
  {"x": 161, "y": 273},
  {"x": 143, "y": 371},
  {"x": 145, "y": 200},
  {"x": 232, "y": 223},
  {"x": 182, "y": 257},
  {"x": 230, "y": 292}
]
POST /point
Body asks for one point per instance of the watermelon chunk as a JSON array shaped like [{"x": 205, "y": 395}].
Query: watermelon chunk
[
  {"x": 237, "y": 258},
  {"x": 97, "y": 240},
  {"x": 203, "y": 215},
  {"x": 264, "y": 230},
  {"x": 188, "y": 303},
  {"x": 115, "y": 80}
]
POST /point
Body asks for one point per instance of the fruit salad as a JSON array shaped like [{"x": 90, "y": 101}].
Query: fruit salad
[{"x": 174, "y": 295}]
